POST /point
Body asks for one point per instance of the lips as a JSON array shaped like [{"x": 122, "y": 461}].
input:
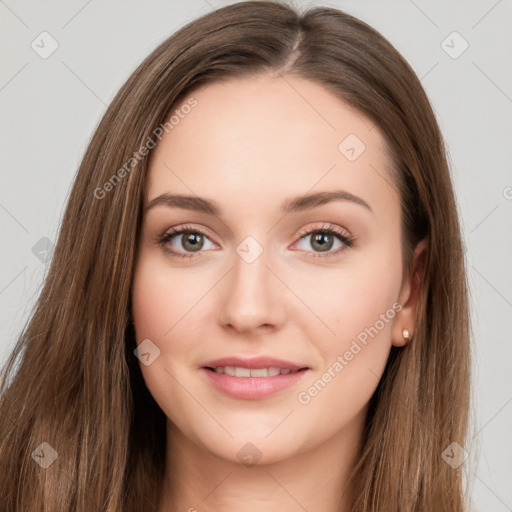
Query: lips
[
  {"x": 252, "y": 379},
  {"x": 254, "y": 363}
]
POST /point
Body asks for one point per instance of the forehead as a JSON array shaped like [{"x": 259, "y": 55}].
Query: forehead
[{"x": 270, "y": 137}]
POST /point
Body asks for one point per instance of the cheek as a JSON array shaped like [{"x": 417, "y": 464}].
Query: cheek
[
  {"x": 352, "y": 298},
  {"x": 359, "y": 306},
  {"x": 149, "y": 313},
  {"x": 162, "y": 297},
  {"x": 162, "y": 308}
]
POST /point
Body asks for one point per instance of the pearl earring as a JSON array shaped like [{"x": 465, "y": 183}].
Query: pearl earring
[{"x": 406, "y": 334}]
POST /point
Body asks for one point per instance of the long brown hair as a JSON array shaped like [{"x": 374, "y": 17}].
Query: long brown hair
[{"x": 72, "y": 380}]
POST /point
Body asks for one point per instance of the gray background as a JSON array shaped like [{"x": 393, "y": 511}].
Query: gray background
[{"x": 50, "y": 107}]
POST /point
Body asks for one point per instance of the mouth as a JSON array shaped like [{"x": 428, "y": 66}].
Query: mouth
[
  {"x": 252, "y": 379},
  {"x": 243, "y": 372},
  {"x": 263, "y": 366}
]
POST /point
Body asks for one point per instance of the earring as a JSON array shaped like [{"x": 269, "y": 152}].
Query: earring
[{"x": 406, "y": 334}]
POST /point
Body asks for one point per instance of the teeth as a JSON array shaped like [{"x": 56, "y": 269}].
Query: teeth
[
  {"x": 242, "y": 372},
  {"x": 236, "y": 371}
]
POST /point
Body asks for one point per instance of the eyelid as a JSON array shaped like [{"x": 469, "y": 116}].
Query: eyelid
[{"x": 326, "y": 226}]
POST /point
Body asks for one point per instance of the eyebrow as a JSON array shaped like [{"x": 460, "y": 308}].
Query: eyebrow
[{"x": 291, "y": 205}]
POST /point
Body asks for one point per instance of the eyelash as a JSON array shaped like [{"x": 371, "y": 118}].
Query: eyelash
[{"x": 347, "y": 240}]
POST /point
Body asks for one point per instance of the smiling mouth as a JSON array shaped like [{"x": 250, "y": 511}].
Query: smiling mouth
[{"x": 237, "y": 371}]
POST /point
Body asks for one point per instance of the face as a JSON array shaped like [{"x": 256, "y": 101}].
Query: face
[{"x": 258, "y": 278}]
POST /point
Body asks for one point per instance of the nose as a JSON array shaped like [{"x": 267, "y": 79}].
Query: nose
[{"x": 253, "y": 297}]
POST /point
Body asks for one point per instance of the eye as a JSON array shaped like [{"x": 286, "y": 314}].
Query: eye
[
  {"x": 323, "y": 239},
  {"x": 188, "y": 237},
  {"x": 192, "y": 240}
]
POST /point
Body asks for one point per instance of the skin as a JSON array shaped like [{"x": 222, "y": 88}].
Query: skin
[{"x": 248, "y": 145}]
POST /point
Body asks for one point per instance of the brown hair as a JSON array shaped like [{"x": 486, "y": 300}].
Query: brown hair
[{"x": 77, "y": 384}]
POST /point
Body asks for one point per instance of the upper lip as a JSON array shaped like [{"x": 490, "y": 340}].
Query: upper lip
[{"x": 253, "y": 363}]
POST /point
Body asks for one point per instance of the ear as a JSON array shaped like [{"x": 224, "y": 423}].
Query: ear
[{"x": 409, "y": 295}]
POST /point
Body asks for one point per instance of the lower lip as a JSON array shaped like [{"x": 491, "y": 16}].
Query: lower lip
[{"x": 252, "y": 388}]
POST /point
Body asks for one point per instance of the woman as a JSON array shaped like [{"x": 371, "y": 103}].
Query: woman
[{"x": 258, "y": 295}]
